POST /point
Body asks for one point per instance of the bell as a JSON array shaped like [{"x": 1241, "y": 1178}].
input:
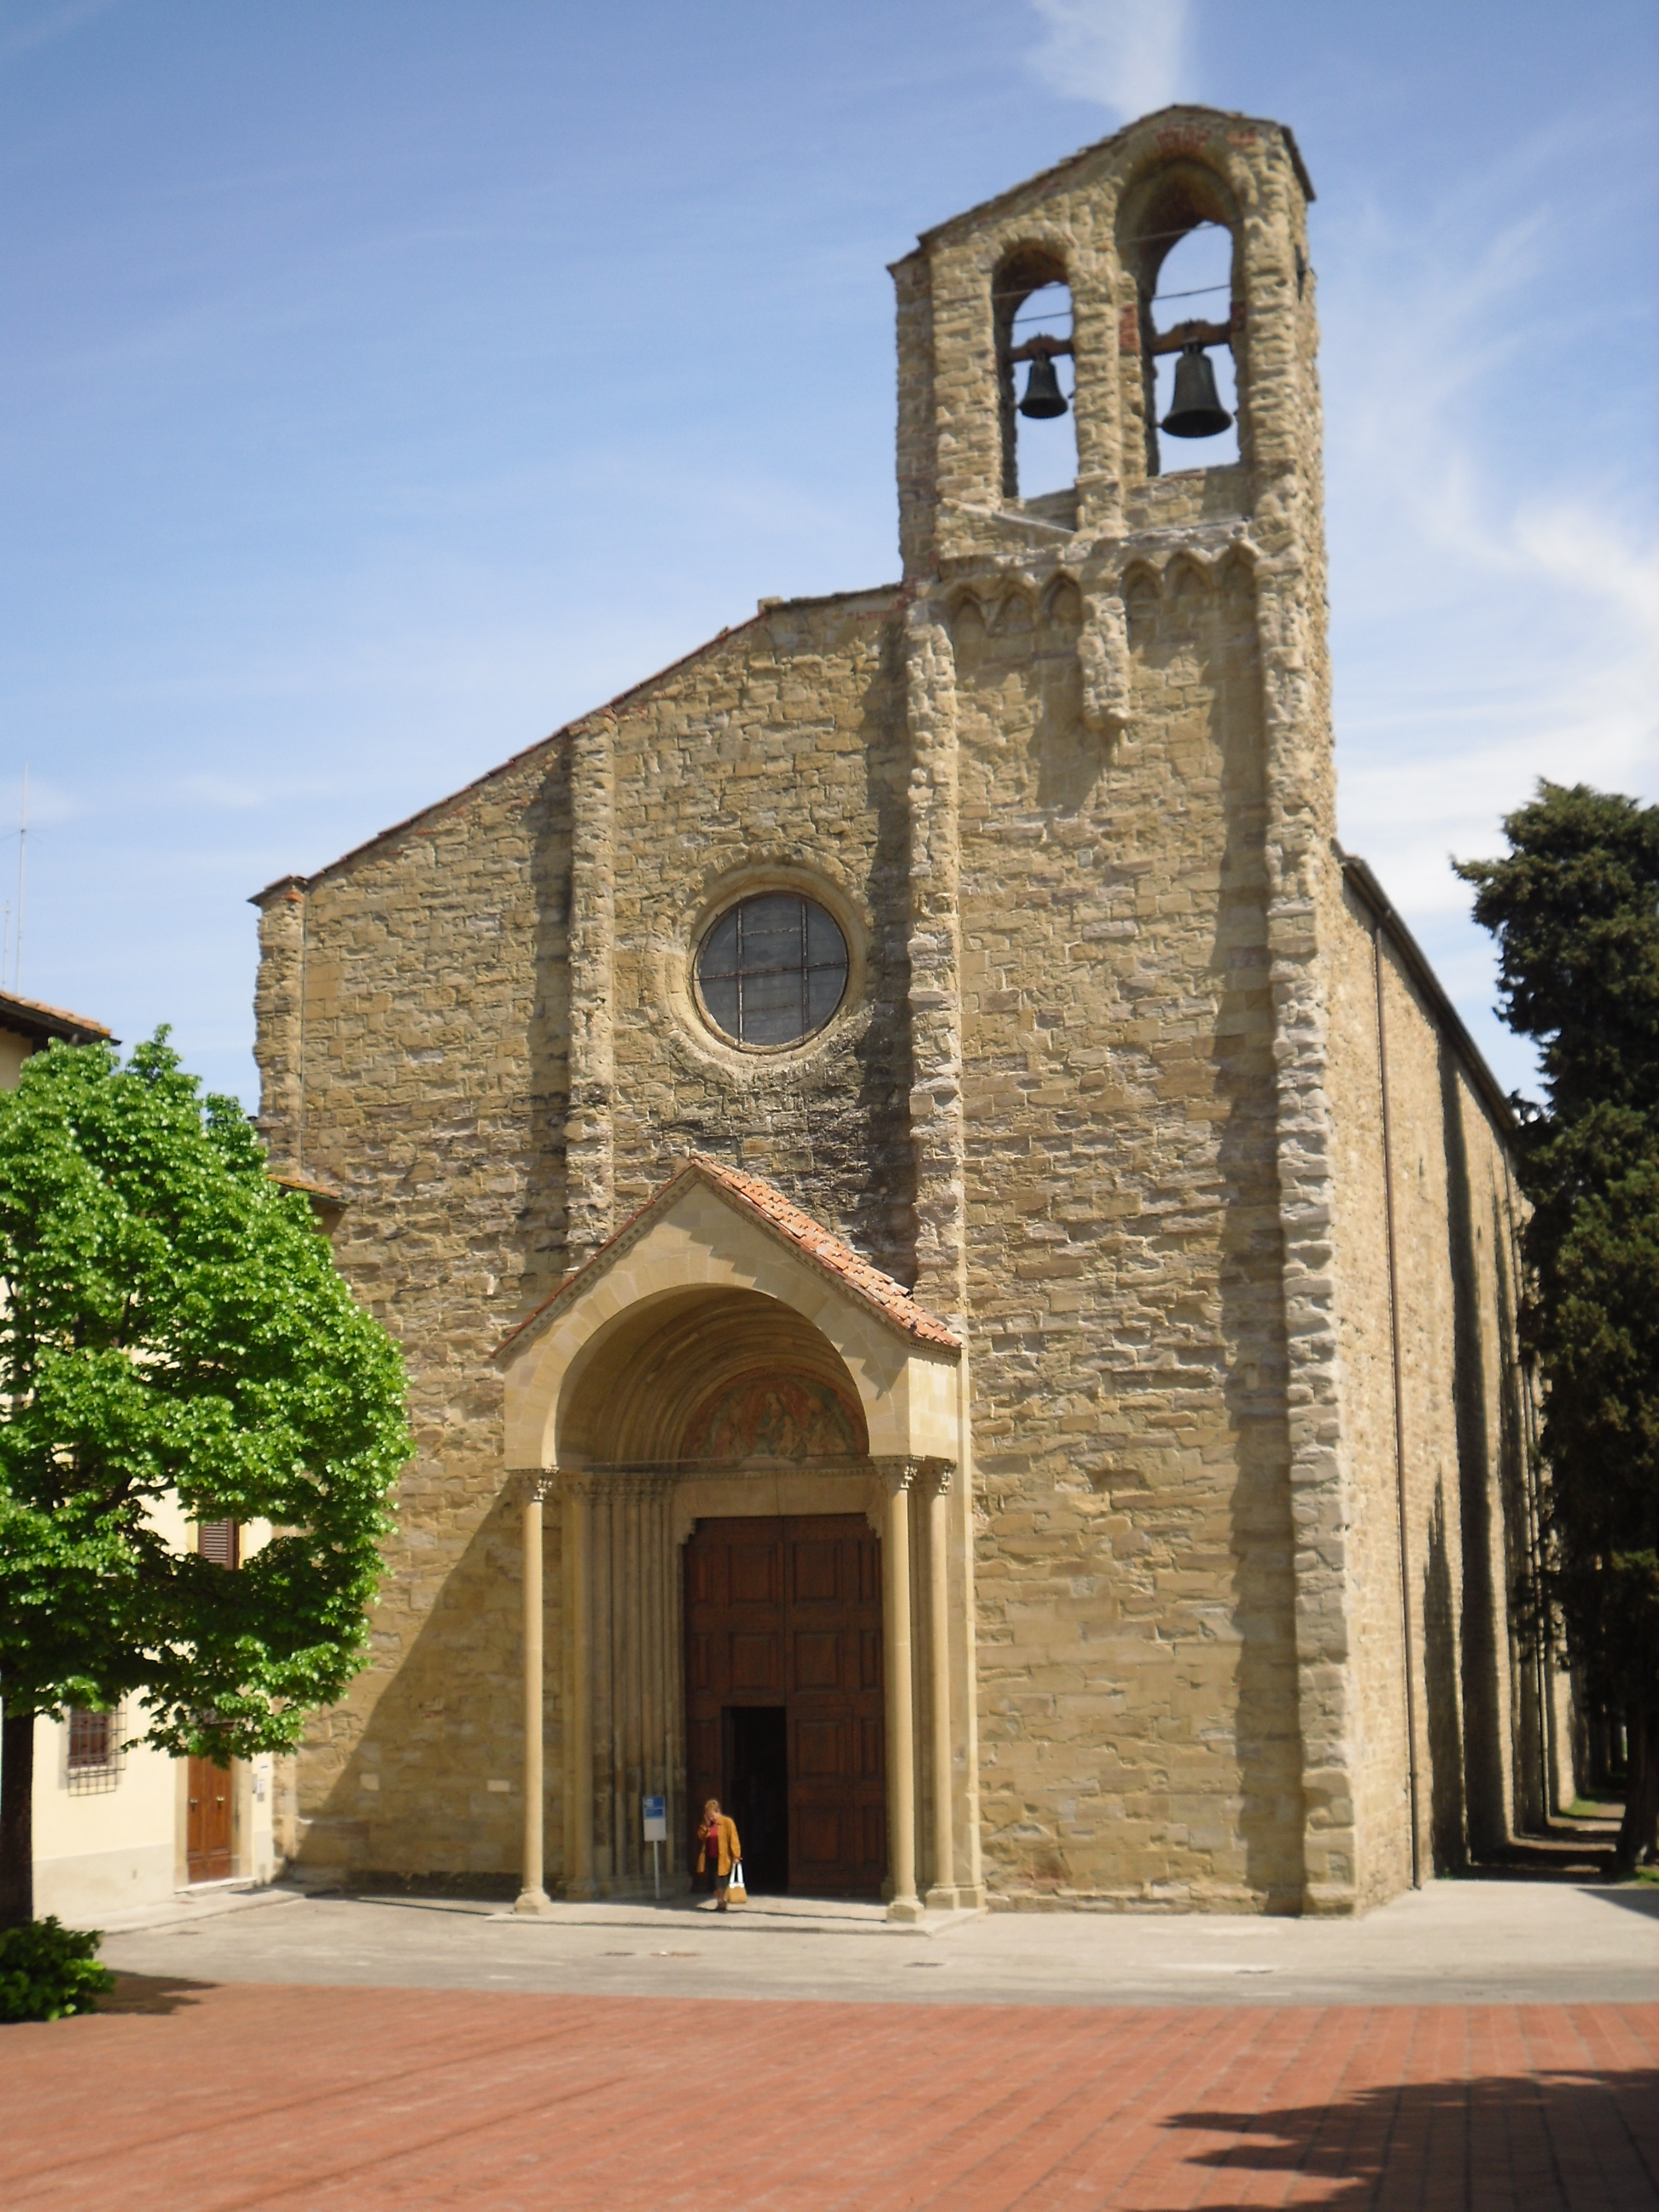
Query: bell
[
  {"x": 1044, "y": 396},
  {"x": 1196, "y": 411}
]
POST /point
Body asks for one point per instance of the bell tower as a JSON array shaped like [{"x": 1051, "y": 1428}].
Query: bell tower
[
  {"x": 1102, "y": 224},
  {"x": 1123, "y": 893}
]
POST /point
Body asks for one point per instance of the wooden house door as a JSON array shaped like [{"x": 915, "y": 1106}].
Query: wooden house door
[{"x": 207, "y": 1832}]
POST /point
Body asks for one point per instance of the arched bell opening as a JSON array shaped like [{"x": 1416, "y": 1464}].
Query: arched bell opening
[
  {"x": 1178, "y": 235},
  {"x": 704, "y": 1379},
  {"x": 1196, "y": 284},
  {"x": 1037, "y": 385}
]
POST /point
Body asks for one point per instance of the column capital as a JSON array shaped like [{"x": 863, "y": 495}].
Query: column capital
[
  {"x": 534, "y": 1484},
  {"x": 897, "y": 1473},
  {"x": 901, "y": 1472}
]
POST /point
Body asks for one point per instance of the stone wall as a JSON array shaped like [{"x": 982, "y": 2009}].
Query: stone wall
[
  {"x": 1427, "y": 1282},
  {"x": 412, "y": 1039},
  {"x": 776, "y": 761},
  {"x": 419, "y": 1003},
  {"x": 1136, "y": 1656}
]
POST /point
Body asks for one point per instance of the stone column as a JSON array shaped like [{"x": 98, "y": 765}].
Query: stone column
[
  {"x": 900, "y": 1695},
  {"x": 942, "y": 1894},
  {"x": 532, "y": 1894},
  {"x": 589, "y": 1167},
  {"x": 578, "y": 1675},
  {"x": 933, "y": 1006},
  {"x": 937, "y": 1133}
]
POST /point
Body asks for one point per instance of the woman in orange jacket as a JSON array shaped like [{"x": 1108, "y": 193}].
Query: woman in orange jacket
[{"x": 717, "y": 1839}]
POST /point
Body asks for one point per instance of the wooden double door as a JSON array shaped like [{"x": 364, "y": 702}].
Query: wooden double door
[{"x": 783, "y": 1668}]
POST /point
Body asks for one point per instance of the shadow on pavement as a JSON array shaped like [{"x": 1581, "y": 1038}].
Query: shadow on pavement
[
  {"x": 160, "y": 1994},
  {"x": 1544, "y": 2141},
  {"x": 1641, "y": 1897},
  {"x": 1568, "y": 1850}
]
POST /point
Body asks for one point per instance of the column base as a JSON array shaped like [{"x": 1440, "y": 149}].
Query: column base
[
  {"x": 943, "y": 1899},
  {"x": 907, "y": 1909},
  {"x": 532, "y": 1901}
]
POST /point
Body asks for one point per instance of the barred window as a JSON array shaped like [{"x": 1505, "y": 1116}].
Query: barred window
[
  {"x": 772, "y": 969},
  {"x": 95, "y": 1757}
]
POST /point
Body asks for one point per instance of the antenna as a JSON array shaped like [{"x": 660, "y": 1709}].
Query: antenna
[{"x": 23, "y": 846}]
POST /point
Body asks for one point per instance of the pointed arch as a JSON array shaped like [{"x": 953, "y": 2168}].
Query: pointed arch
[
  {"x": 1142, "y": 592},
  {"x": 1016, "y": 612},
  {"x": 1061, "y": 606}
]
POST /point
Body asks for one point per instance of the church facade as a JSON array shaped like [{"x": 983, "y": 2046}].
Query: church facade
[{"x": 956, "y": 1265}]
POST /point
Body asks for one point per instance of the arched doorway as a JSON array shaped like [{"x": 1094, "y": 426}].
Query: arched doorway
[
  {"x": 725, "y": 1403},
  {"x": 722, "y": 1360}
]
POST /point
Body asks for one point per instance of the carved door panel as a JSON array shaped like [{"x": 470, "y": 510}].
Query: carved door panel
[
  {"x": 733, "y": 1645},
  {"x": 837, "y": 1750},
  {"x": 788, "y": 1613}
]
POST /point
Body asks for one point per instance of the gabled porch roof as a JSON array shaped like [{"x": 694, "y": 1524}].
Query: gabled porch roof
[{"x": 766, "y": 1205}]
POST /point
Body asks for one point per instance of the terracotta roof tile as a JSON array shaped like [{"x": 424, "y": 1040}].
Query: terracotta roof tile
[
  {"x": 829, "y": 1253},
  {"x": 767, "y": 1204},
  {"x": 312, "y": 1185},
  {"x": 34, "y": 1016}
]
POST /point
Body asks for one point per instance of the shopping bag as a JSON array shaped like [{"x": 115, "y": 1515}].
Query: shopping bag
[{"x": 735, "y": 1891}]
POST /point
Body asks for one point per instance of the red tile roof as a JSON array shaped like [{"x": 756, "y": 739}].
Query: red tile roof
[
  {"x": 34, "y": 1017},
  {"x": 773, "y": 1212},
  {"x": 314, "y": 1187}
]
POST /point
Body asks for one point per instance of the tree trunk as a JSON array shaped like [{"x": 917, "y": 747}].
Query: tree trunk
[
  {"x": 17, "y": 1819},
  {"x": 1638, "y": 1833}
]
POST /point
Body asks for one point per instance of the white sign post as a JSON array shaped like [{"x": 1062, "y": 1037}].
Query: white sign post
[{"x": 656, "y": 1834}]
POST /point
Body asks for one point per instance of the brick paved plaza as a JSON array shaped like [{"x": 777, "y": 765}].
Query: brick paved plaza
[
  {"x": 201, "y": 2098},
  {"x": 1488, "y": 2044}
]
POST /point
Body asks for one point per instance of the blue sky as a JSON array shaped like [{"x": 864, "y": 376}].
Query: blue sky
[{"x": 385, "y": 384}]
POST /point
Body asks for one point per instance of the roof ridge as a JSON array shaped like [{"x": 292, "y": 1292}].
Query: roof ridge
[
  {"x": 611, "y": 705},
  {"x": 42, "y": 1014},
  {"x": 766, "y": 1205},
  {"x": 1052, "y": 171}
]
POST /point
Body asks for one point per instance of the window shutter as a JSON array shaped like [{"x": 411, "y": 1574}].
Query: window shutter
[{"x": 217, "y": 1540}]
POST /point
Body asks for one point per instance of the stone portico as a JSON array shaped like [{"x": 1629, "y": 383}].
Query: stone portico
[{"x": 717, "y": 1280}]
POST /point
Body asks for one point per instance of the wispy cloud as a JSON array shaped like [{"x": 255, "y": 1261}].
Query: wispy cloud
[
  {"x": 1495, "y": 584},
  {"x": 48, "y": 801},
  {"x": 1496, "y": 630},
  {"x": 1124, "y": 55},
  {"x": 222, "y": 793},
  {"x": 27, "y": 27}
]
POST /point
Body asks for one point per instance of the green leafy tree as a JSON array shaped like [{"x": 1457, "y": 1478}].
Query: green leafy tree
[
  {"x": 172, "y": 1327},
  {"x": 1575, "y": 906}
]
